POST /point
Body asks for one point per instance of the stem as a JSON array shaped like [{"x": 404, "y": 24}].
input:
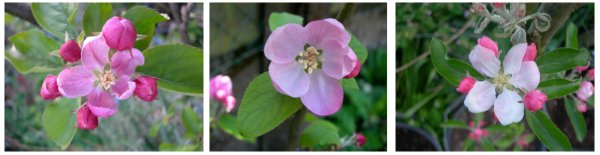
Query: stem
[
  {"x": 559, "y": 12},
  {"x": 295, "y": 125},
  {"x": 346, "y": 12}
]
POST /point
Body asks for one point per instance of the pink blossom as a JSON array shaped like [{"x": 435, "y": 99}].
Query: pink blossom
[
  {"x": 498, "y": 5},
  {"x": 465, "y": 85},
  {"x": 531, "y": 53},
  {"x": 70, "y": 51},
  {"x": 581, "y": 107},
  {"x": 581, "y": 68},
  {"x": 97, "y": 79},
  {"x": 145, "y": 88},
  {"x": 489, "y": 44},
  {"x": 515, "y": 76},
  {"x": 522, "y": 141},
  {"x": 356, "y": 69},
  {"x": 476, "y": 132},
  {"x": 49, "y": 90},
  {"x": 229, "y": 103},
  {"x": 586, "y": 89},
  {"x": 85, "y": 119},
  {"x": 534, "y": 100},
  {"x": 360, "y": 139},
  {"x": 308, "y": 62},
  {"x": 590, "y": 73},
  {"x": 119, "y": 33},
  {"x": 221, "y": 87}
]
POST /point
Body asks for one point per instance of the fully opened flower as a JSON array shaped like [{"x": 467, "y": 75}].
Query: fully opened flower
[
  {"x": 99, "y": 79},
  {"x": 505, "y": 84},
  {"x": 308, "y": 62}
]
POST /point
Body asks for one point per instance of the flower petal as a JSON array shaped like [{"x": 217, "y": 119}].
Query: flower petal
[
  {"x": 290, "y": 77},
  {"x": 514, "y": 58},
  {"x": 481, "y": 97},
  {"x": 325, "y": 95},
  {"x": 285, "y": 43},
  {"x": 94, "y": 54},
  {"x": 528, "y": 77},
  {"x": 101, "y": 103},
  {"x": 125, "y": 62},
  {"x": 336, "y": 60},
  {"x": 75, "y": 81},
  {"x": 484, "y": 61},
  {"x": 123, "y": 87},
  {"x": 321, "y": 32},
  {"x": 508, "y": 108}
]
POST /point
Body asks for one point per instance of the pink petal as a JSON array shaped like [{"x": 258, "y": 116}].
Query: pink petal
[
  {"x": 125, "y": 62},
  {"x": 325, "y": 95},
  {"x": 94, "y": 54},
  {"x": 528, "y": 77},
  {"x": 484, "y": 61},
  {"x": 349, "y": 58},
  {"x": 285, "y": 43},
  {"x": 481, "y": 97},
  {"x": 514, "y": 58},
  {"x": 290, "y": 78},
  {"x": 120, "y": 33},
  {"x": 507, "y": 107},
  {"x": 101, "y": 103},
  {"x": 123, "y": 87},
  {"x": 336, "y": 64},
  {"x": 321, "y": 32},
  {"x": 488, "y": 44},
  {"x": 75, "y": 81}
]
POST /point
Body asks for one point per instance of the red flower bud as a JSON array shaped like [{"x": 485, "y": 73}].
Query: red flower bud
[
  {"x": 229, "y": 103},
  {"x": 531, "y": 53},
  {"x": 360, "y": 139},
  {"x": 86, "y": 119},
  {"x": 355, "y": 71},
  {"x": 534, "y": 100},
  {"x": 119, "y": 33},
  {"x": 465, "y": 85},
  {"x": 70, "y": 51},
  {"x": 49, "y": 89},
  {"x": 145, "y": 88}
]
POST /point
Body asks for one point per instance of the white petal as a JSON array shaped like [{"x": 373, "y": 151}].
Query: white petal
[
  {"x": 514, "y": 58},
  {"x": 508, "y": 107},
  {"x": 484, "y": 61},
  {"x": 481, "y": 97},
  {"x": 528, "y": 77}
]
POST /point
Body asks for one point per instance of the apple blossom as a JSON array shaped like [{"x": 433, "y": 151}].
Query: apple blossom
[
  {"x": 70, "y": 51},
  {"x": 531, "y": 53},
  {"x": 49, "y": 90},
  {"x": 476, "y": 132},
  {"x": 534, "y": 100},
  {"x": 586, "y": 89},
  {"x": 85, "y": 119},
  {"x": 119, "y": 33},
  {"x": 229, "y": 103},
  {"x": 581, "y": 68},
  {"x": 465, "y": 85},
  {"x": 590, "y": 73},
  {"x": 145, "y": 88},
  {"x": 221, "y": 87},
  {"x": 581, "y": 107},
  {"x": 360, "y": 139}
]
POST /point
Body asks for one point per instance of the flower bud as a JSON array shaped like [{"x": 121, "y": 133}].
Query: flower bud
[
  {"x": 70, "y": 51},
  {"x": 220, "y": 87},
  {"x": 531, "y": 53},
  {"x": 534, "y": 100},
  {"x": 586, "y": 89},
  {"x": 119, "y": 33},
  {"x": 498, "y": 5},
  {"x": 581, "y": 107},
  {"x": 229, "y": 103},
  {"x": 355, "y": 71},
  {"x": 590, "y": 73},
  {"x": 489, "y": 44},
  {"x": 86, "y": 119},
  {"x": 145, "y": 88},
  {"x": 49, "y": 89},
  {"x": 360, "y": 139},
  {"x": 476, "y": 131},
  {"x": 465, "y": 85},
  {"x": 581, "y": 68}
]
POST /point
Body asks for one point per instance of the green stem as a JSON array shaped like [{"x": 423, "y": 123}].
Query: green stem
[
  {"x": 344, "y": 14},
  {"x": 295, "y": 124}
]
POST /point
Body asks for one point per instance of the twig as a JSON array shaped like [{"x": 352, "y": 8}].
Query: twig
[
  {"x": 559, "y": 12},
  {"x": 21, "y": 10}
]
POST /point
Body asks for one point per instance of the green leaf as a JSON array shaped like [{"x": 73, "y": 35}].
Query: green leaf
[
  {"x": 547, "y": 132},
  {"x": 349, "y": 84},
  {"x": 576, "y": 119},
  {"x": 556, "y": 88},
  {"x": 359, "y": 49},
  {"x": 177, "y": 67},
  {"x": 59, "y": 121},
  {"x": 263, "y": 108},
  {"x": 463, "y": 67},
  {"x": 144, "y": 20},
  {"x": 154, "y": 130},
  {"x": 591, "y": 100},
  {"x": 277, "y": 19},
  {"x": 487, "y": 145},
  {"x": 455, "y": 124},
  {"x": 94, "y": 17},
  {"x": 440, "y": 62},
  {"x": 572, "y": 36},
  {"x": 228, "y": 123},
  {"x": 562, "y": 59},
  {"x": 468, "y": 145},
  {"x": 55, "y": 18},
  {"x": 32, "y": 52},
  {"x": 319, "y": 133},
  {"x": 191, "y": 122}
]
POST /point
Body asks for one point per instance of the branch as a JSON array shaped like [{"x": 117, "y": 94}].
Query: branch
[
  {"x": 22, "y": 11},
  {"x": 344, "y": 14},
  {"x": 559, "y": 12}
]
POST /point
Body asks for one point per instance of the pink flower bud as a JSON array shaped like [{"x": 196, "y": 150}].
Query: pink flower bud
[
  {"x": 145, "y": 88},
  {"x": 355, "y": 71},
  {"x": 476, "y": 131},
  {"x": 581, "y": 107},
  {"x": 360, "y": 139},
  {"x": 489, "y": 44},
  {"x": 498, "y": 5},
  {"x": 229, "y": 103},
  {"x": 221, "y": 87},
  {"x": 465, "y": 85},
  {"x": 586, "y": 89},
  {"x": 49, "y": 89},
  {"x": 581, "y": 68},
  {"x": 86, "y": 119},
  {"x": 119, "y": 33},
  {"x": 590, "y": 73},
  {"x": 70, "y": 51},
  {"x": 534, "y": 100},
  {"x": 531, "y": 53},
  {"x": 522, "y": 141}
]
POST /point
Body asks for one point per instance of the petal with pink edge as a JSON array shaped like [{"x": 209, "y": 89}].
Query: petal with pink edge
[
  {"x": 325, "y": 95},
  {"x": 75, "y": 81},
  {"x": 514, "y": 58},
  {"x": 94, "y": 54},
  {"x": 481, "y": 97},
  {"x": 285, "y": 43},
  {"x": 507, "y": 107},
  {"x": 336, "y": 64},
  {"x": 528, "y": 77},
  {"x": 101, "y": 103},
  {"x": 321, "y": 32},
  {"x": 484, "y": 61},
  {"x": 125, "y": 62},
  {"x": 290, "y": 78},
  {"x": 123, "y": 87}
]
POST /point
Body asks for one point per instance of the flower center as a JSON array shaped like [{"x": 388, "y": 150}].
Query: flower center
[
  {"x": 309, "y": 59},
  {"x": 106, "y": 79}
]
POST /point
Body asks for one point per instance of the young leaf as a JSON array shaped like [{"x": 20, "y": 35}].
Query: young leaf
[
  {"x": 277, "y": 19},
  {"x": 438, "y": 58},
  {"x": 59, "y": 121},
  {"x": 572, "y": 36},
  {"x": 191, "y": 122},
  {"x": 547, "y": 132},
  {"x": 94, "y": 17},
  {"x": 32, "y": 52},
  {"x": 55, "y": 17},
  {"x": 359, "y": 49},
  {"x": 144, "y": 20},
  {"x": 562, "y": 59},
  {"x": 576, "y": 119},
  {"x": 556, "y": 88},
  {"x": 177, "y": 67},
  {"x": 319, "y": 133},
  {"x": 263, "y": 108}
]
